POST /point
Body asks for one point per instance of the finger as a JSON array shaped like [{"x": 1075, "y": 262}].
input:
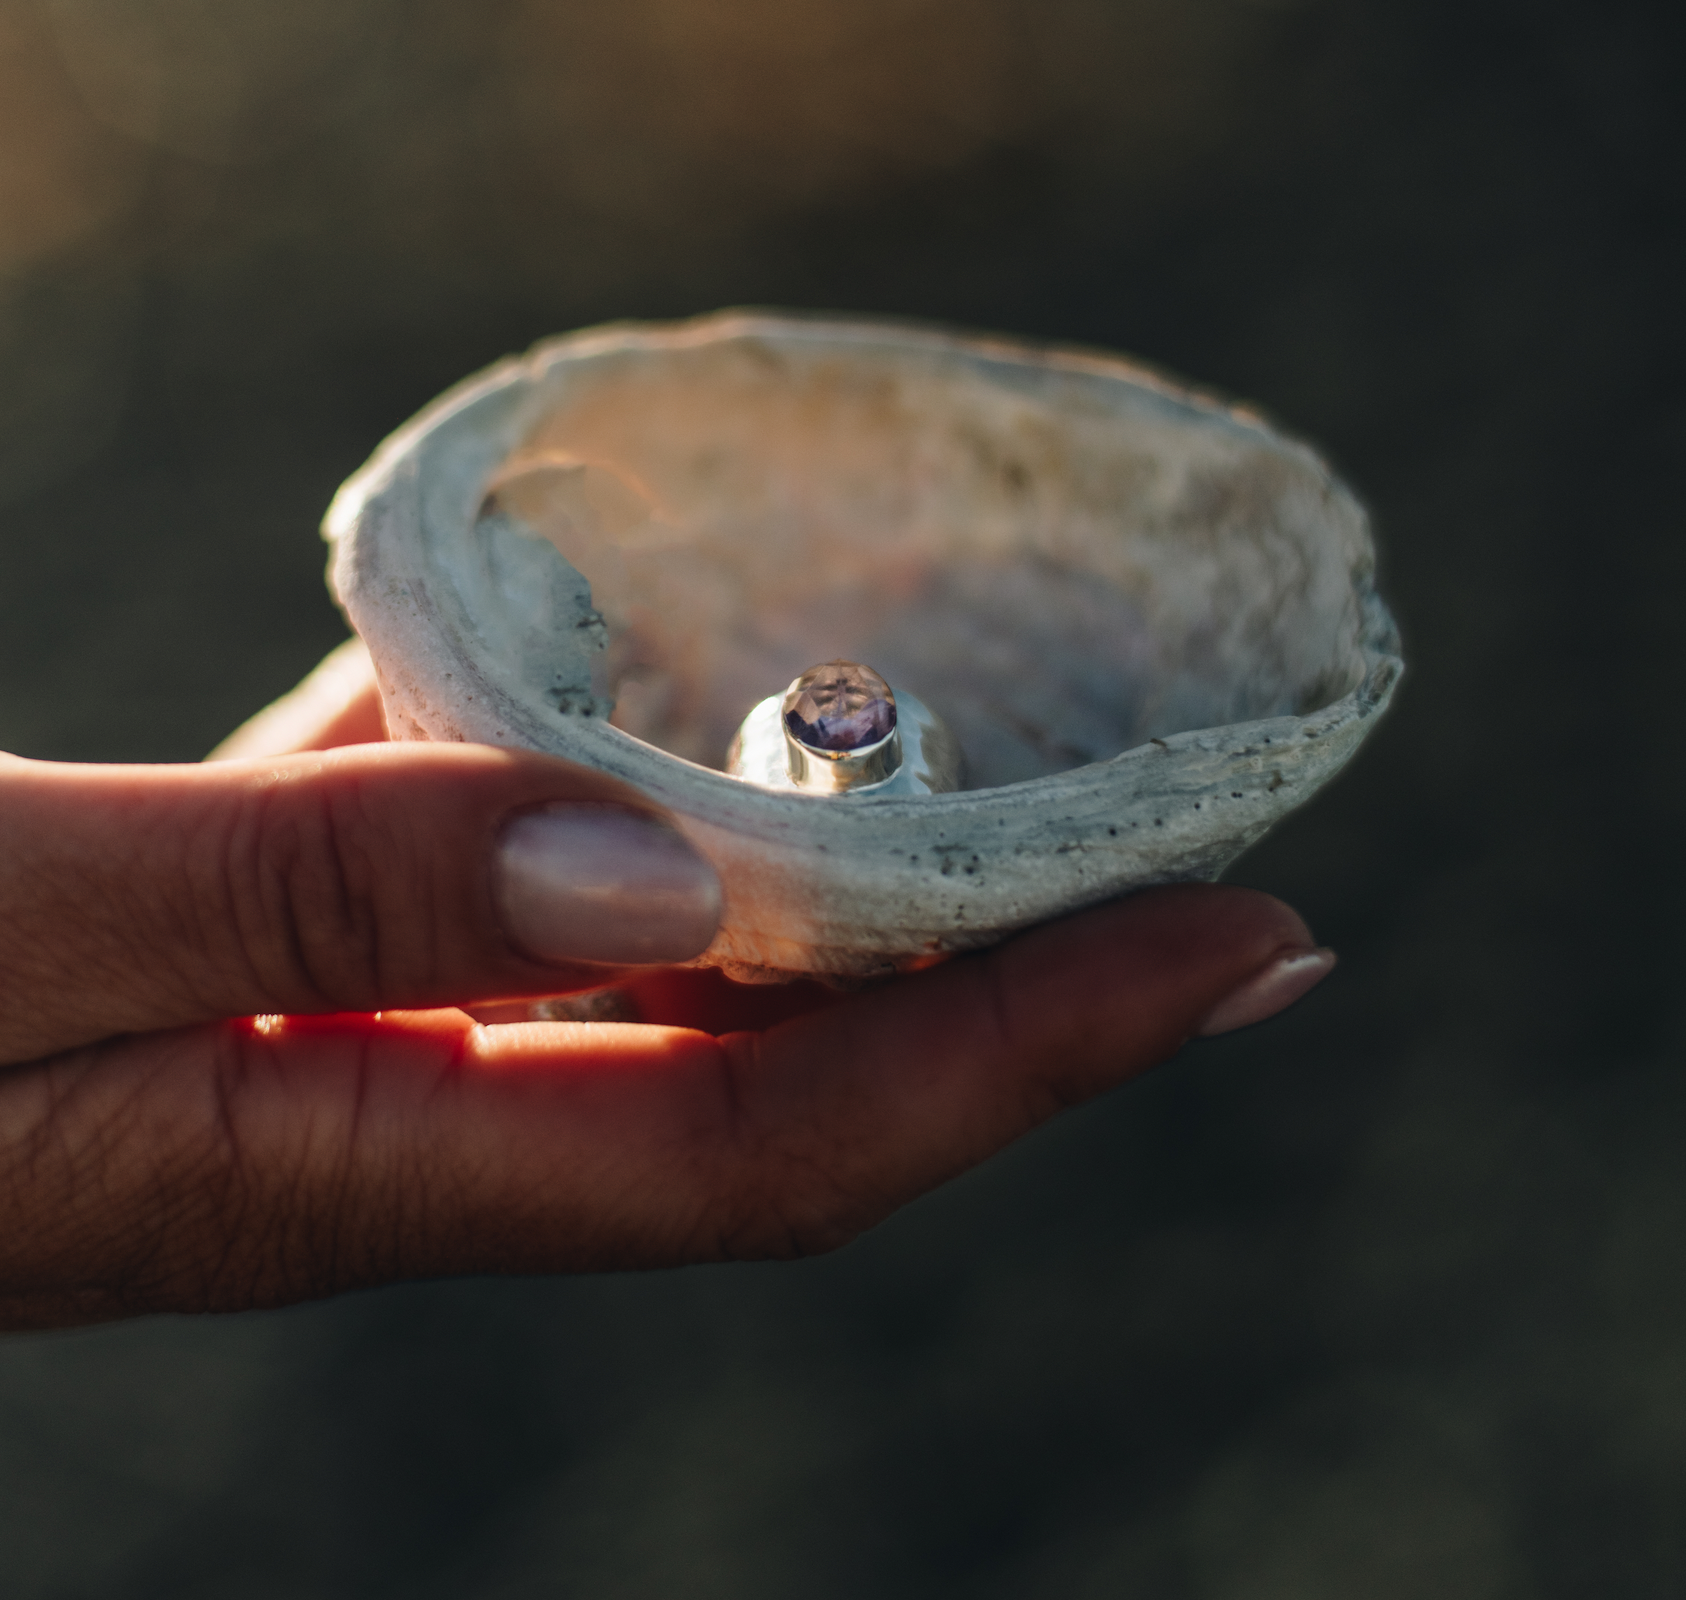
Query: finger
[
  {"x": 338, "y": 704},
  {"x": 360, "y": 879},
  {"x": 853, "y": 1111},
  {"x": 257, "y": 1164}
]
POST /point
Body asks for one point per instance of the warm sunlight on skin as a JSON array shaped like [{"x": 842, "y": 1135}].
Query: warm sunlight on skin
[{"x": 240, "y": 1078}]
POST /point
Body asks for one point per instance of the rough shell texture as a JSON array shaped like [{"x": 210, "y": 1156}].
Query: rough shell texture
[{"x": 1148, "y": 617}]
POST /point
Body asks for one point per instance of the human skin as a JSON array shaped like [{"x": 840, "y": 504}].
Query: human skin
[{"x": 234, "y": 1071}]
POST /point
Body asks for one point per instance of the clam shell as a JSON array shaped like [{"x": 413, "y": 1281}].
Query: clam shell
[{"x": 1149, "y": 617}]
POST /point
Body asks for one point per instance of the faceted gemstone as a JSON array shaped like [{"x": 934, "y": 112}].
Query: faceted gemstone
[{"x": 839, "y": 706}]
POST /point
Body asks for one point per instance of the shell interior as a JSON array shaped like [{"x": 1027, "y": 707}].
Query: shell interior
[{"x": 1061, "y": 577}]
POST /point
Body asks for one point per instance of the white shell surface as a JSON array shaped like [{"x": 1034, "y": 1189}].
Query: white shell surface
[{"x": 1148, "y": 617}]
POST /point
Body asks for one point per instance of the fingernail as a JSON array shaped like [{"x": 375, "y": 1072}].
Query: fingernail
[
  {"x": 1274, "y": 989},
  {"x": 581, "y": 882}
]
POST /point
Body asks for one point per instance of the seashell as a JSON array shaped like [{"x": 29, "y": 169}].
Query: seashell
[{"x": 1148, "y": 617}]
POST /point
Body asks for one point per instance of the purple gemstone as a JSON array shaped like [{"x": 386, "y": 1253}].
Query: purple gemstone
[{"x": 839, "y": 706}]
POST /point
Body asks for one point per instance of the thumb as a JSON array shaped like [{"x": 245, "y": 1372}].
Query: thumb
[{"x": 368, "y": 878}]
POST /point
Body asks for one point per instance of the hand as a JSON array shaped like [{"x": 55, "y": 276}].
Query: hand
[{"x": 226, "y": 1079}]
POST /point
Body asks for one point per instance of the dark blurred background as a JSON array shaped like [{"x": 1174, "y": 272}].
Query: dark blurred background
[{"x": 1386, "y": 1299}]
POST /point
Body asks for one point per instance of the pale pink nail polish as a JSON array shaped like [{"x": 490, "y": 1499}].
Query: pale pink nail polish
[
  {"x": 1269, "y": 991},
  {"x": 584, "y": 882}
]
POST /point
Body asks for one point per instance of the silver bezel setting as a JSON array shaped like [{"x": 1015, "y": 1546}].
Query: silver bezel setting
[{"x": 918, "y": 756}]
